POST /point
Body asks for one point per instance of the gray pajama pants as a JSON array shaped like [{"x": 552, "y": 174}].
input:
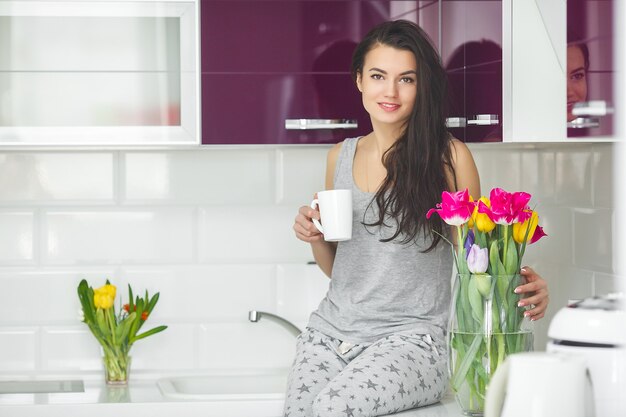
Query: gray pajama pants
[{"x": 396, "y": 373}]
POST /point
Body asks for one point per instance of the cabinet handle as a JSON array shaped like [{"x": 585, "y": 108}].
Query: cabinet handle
[
  {"x": 484, "y": 120},
  {"x": 316, "y": 124},
  {"x": 596, "y": 108},
  {"x": 584, "y": 123},
  {"x": 456, "y": 121}
]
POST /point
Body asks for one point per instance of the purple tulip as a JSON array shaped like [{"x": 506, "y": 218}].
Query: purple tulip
[
  {"x": 477, "y": 260},
  {"x": 469, "y": 241}
]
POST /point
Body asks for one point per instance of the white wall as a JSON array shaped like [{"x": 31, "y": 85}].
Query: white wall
[{"x": 211, "y": 230}]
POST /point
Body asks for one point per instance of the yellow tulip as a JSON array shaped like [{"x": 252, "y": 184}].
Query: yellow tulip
[
  {"x": 481, "y": 220},
  {"x": 104, "y": 296},
  {"x": 470, "y": 222},
  {"x": 109, "y": 289},
  {"x": 519, "y": 229}
]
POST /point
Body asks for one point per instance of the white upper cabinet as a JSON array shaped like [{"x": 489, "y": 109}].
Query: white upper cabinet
[
  {"x": 533, "y": 70},
  {"x": 529, "y": 71},
  {"x": 99, "y": 72}
]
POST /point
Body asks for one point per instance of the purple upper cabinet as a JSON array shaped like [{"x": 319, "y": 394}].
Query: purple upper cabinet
[
  {"x": 471, "y": 51},
  {"x": 589, "y": 64},
  {"x": 268, "y": 62}
]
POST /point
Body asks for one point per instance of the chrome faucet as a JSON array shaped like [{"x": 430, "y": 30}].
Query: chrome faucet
[{"x": 255, "y": 316}]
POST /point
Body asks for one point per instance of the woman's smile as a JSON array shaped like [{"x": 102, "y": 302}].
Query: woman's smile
[{"x": 389, "y": 107}]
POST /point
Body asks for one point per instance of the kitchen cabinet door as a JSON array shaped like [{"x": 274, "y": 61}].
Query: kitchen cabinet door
[
  {"x": 98, "y": 72},
  {"x": 278, "y": 72},
  {"x": 590, "y": 69},
  {"x": 471, "y": 51}
]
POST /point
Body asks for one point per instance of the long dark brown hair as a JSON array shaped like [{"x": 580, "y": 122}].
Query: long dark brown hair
[{"x": 416, "y": 163}]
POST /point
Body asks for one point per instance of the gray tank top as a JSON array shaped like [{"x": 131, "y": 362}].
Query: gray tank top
[{"x": 379, "y": 288}]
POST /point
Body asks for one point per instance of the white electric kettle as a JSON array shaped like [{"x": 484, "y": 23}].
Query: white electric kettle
[{"x": 539, "y": 384}]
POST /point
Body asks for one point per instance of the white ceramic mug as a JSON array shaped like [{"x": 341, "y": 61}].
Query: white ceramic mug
[{"x": 335, "y": 208}]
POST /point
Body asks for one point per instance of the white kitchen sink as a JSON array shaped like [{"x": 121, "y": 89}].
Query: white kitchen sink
[{"x": 225, "y": 386}]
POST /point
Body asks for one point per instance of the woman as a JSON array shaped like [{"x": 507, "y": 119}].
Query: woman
[
  {"x": 577, "y": 68},
  {"x": 376, "y": 344}
]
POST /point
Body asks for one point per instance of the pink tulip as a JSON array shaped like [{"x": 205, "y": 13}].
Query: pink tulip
[
  {"x": 539, "y": 233},
  {"x": 506, "y": 208},
  {"x": 455, "y": 208}
]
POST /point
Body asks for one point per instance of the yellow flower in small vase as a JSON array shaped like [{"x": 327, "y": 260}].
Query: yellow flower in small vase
[
  {"x": 116, "y": 332},
  {"x": 104, "y": 296}
]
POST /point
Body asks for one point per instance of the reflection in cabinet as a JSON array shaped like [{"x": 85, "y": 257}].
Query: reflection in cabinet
[
  {"x": 472, "y": 54},
  {"x": 252, "y": 108},
  {"x": 292, "y": 61},
  {"x": 590, "y": 67},
  {"x": 97, "y": 72}
]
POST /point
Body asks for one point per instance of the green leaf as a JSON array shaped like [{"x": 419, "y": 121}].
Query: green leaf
[
  {"x": 468, "y": 358},
  {"x": 131, "y": 304},
  {"x": 102, "y": 325},
  {"x": 511, "y": 258},
  {"x": 462, "y": 263},
  {"x": 480, "y": 238},
  {"x": 495, "y": 264},
  {"x": 476, "y": 301},
  {"x": 466, "y": 323},
  {"x": 124, "y": 326},
  {"x": 152, "y": 303},
  {"x": 502, "y": 284},
  {"x": 148, "y": 333},
  {"x": 86, "y": 302}
]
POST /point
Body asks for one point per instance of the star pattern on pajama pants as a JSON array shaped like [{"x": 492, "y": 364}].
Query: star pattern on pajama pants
[{"x": 396, "y": 373}]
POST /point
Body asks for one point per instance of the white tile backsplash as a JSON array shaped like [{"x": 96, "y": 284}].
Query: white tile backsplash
[
  {"x": 499, "y": 168},
  {"x": 245, "y": 345},
  {"x": 211, "y": 230},
  {"x": 56, "y": 177},
  {"x": 538, "y": 177},
  {"x": 593, "y": 237},
  {"x": 17, "y": 240},
  {"x": 557, "y": 222},
  {"x": 44, "y": 296},
  {"x": 223, "y": 177},
  {"x": 204, "y": 293},
  {"x": 604, "y": 284},
  {"x": 302, "y": 173},
  {"x": 300, "y": 288},
  {"x": 250, "y": 234},
  {"x": 603, "y": 175},
  {"x": 124, "y": 236},
  {"x": 174, "y": 348},
  {"x": 18, "y": 349},
  {"x": 69, "y": 348},
  {"x": 574, "y": 176}
]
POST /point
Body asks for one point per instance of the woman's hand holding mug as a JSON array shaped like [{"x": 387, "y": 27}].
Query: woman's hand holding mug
[
  {"x": 304, "y": 227},
  {"x": 333, "y": 221}
]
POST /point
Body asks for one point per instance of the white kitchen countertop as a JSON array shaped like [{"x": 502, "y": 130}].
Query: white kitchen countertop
[{"x": 143, "y": 397}]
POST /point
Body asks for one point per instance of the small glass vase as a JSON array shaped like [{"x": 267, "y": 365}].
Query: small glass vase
[
  {"x": 486, "y": 325},
  {"x": 116, "y": 368}
]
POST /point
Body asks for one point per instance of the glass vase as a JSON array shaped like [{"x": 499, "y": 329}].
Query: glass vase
[
  {"x": 116, "y": 368},
  {"x": 486, "y": 325}
]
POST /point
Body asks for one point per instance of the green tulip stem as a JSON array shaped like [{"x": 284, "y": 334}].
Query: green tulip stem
[
  {"x": 459, "y": 242},
  {"x": 506, "y": 244},
  {"x": 501, "y": 348}
]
